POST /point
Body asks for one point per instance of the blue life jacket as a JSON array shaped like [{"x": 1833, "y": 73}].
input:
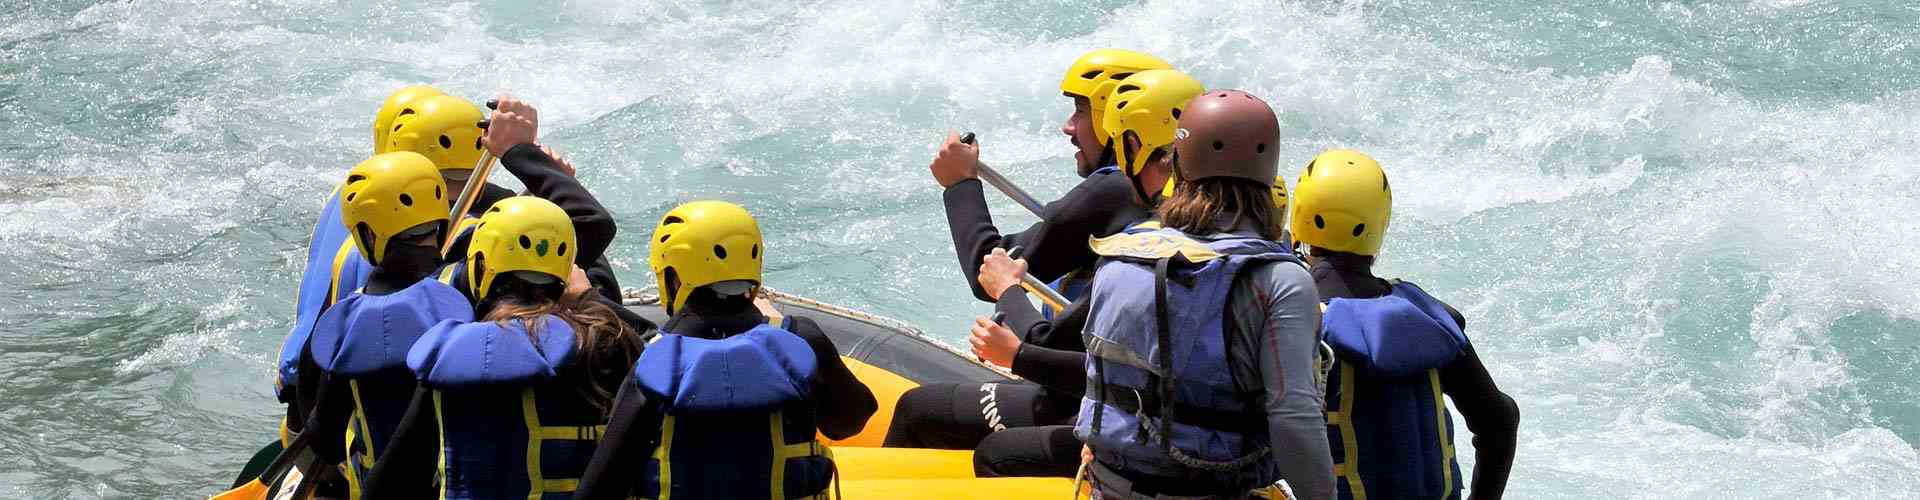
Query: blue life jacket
[
  {"x": 736, "y": 421},
  {"x": 334, "y": 267},
  {"x": 1387, "y": 418},
  {"x": 364, "y": 339},
  {"x": 509, "y": 427},
  {"x": 1161, "y": 399},
  {"x": 1073, "y": 286}
]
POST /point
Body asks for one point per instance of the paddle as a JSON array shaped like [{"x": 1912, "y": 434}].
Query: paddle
[
  {"x": 1033, "y": 285},
  {"x": 476, "y": 184},
  {"x": 289, "y": 460}
]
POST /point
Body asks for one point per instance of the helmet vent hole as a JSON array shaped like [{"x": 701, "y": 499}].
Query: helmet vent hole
[
  {"x": 755, "y": 253},
  {"x": 495, "y": 209},
  {"x": 1383, "y": 185},
  {"x": 350, "y": 196},
  {"x": 355, "y": 178},
  {"x": 1176, "y": 113},
  {"x": 663, "y": 237},
  {"x": 562, "y": 250},
  {"x": 476, "y": 143},
  {"x": 396, "y": 126},
  {"x": 1090, "y": 75},
  {"x": 406, "y": 111},
  {"x": 1217, "y": 145},
  {"x": 1358, "y": 229},
  {"x": 1121, "y": 76},
  {"x": 1319, "y": 223},
  {"x": 720, "y": 251},
  {"x": 1309, "y": 170},
  {"x": 445, "y": 142},
  {"x": 436, "y": 192},
  {"x": 406, "y": 200},
  {"x": 1260, "y": 148},
  {"x": 671, "y": 220},
  {"x": 525, "y": 243},
  {"x": 1126, "y": 88},
  {"x": 1122, "y": 105}
]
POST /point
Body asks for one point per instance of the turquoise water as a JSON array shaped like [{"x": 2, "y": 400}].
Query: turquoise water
[{"x": 1682, "y": 231}]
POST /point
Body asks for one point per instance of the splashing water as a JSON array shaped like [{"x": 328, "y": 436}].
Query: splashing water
[{"x": 1679, "y": 229}]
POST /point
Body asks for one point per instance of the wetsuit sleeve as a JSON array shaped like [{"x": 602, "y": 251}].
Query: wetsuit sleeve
[
  {"x": 1279, "y": 308},
  {"x": 406, "y": 466},
  {"x": 592, "y": 224},
  {"x": 1054, "y": 246},
  {"x": 843, "y": 403},
  {"x": 1491, "y": 415},
  {"x": 624, "y": 449},
  {"x": 1050, "y": 353}
]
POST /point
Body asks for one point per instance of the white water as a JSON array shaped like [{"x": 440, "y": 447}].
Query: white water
[{"x": 1681, "y": 230}]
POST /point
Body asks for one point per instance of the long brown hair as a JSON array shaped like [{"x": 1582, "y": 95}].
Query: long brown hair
[
  {"x": 1199, "y": 207},
  {"x": 598, "y": 335}
]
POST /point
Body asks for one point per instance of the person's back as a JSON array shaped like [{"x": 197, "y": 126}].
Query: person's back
[
  {"x": 1398, "y": 350},
  {"x": 1200, "y": 340},
  {"x": 359, "y": 384},
  {"x": 724, "y": 405}
]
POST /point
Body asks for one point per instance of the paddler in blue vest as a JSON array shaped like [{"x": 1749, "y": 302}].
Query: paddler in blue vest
[
  {"x": 396, "y": 207},
  {"x": 453, "y": 134},
  {"x": 724, "y": 404},
  {"x": 419, "y": 119},
  {"x": 961, "y": 416},
  {"x": 511, "y": 405},
  {"x": 1397, "y": 351},
  {"x": 1201, "y": 337}
]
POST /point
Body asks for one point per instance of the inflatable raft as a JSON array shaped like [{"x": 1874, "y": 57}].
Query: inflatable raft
[{"x": 891, "y": 357}]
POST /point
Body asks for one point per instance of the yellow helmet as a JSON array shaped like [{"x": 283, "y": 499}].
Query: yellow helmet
[
  {"x": 520, "y": 234},
  {"x": 1280, "y": 194},
  {"x": 395, "y": 107},
  {"x": 389, "y": 195},
  {"x": 1343, "y": 203},
  {"x": 702, "y": 243},
  {"x": 444, "y": 128},
  {"x": 1147, "y": 104},
  {"x": 1095, "y": 74}
]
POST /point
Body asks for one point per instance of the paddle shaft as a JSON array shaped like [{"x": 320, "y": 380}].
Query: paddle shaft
[
  {"x": 1033, "y": 285},
  {"x": 1000, "y": 182}
]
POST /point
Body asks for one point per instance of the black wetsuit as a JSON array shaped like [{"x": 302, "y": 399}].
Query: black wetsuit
[
  {"x": 1100, "y": 205},
  {"x": 1015, "y": 428},
  {"x": 841, "y": 402},
  {"x": 1491, "y": 415}
]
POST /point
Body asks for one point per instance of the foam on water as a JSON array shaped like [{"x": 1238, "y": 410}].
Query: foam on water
[{"x": 1680, "y": 230}]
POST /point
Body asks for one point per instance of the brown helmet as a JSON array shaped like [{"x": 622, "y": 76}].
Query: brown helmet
[{"x": 1228, "y": 133}]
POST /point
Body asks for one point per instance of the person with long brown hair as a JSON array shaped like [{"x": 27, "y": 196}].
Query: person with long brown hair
[
  {"x": 724, "y": 404},
  {"x": 1202, "y": 334},
  {"x": 511, "y": 405}
]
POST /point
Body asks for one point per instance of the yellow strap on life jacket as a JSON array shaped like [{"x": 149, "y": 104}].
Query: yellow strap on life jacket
[
  {"x": 339, "y": 261},
  {"x": 660, "y": 456},
  {"x": 536, "y": 433},
  {"x": 358, "y": 430},
  {"x": 1446, "y": 438},
  {"x": 1349, "y": 466},
  {"x": 440, "y": 417},
  {"x": 782, "y": 452}
]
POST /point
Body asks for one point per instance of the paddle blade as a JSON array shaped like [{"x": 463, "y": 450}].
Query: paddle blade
[{"x": 253, "y": 490}]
